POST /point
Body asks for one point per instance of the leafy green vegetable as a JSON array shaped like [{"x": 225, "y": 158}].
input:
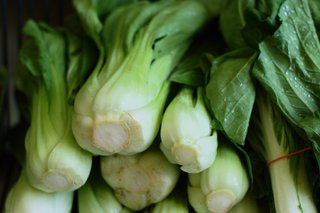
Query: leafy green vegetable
[
  {"x": 231, "y": 92},
  {"x": 272, "y": 136},
  {"x": 220, "y": 187},
  {"x": 187, "y": 138},
  {"x": 82, "y": 56},
  {"x": 196, "y": 63},
  {"x": 54, "y": 161},
  {"x": 289, "y": 67},
  {"x": 232, "y": 20},
  {"x": 261, "y": 22},
  {"x": 314, "y": 8},
  {"x": 119, "y": 108},
  {"x": 93, "y": 12}
]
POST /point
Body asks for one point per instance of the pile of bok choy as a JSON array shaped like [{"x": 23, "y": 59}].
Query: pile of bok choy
[{"x": 171, "y": 106}]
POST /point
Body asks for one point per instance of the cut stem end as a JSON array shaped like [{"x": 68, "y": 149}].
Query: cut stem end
[
  {"x": 110, "y": 137},
  {"x": 57, "y": 181},
  {"x": 220, "y": 201},
  {"x": 185, "y": 154}
]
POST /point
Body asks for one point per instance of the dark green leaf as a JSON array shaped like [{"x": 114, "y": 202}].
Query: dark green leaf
[
  {"x": 196, "y": 64},
  {"x": 232, "y": 20},
  {"x": 258, "y": 27},
  {"x": 231, "y": 92},
  {"x": 82, "y": 56},
  {"x": 92, "y": 13},
  {"x": 289, "y": 69},
  {"x": 315, "y": 8},
  {"x": 43, "y": 54},
  {"x": 289, "y": 63}
]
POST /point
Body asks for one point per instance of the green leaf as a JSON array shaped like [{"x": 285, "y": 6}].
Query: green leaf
[
  {"x": 289, "y": 68},
  {"x": 92, "y": 13},
  {"x": 311, "y": 127},
  {"x": 231, "y": 92},
  {"x": 194, "y": 67},
  {"x": 315, "y": 8},
  {"x": 232, "y": 21},
  {"x": 43, "y": 55},
  {"x": 270, "y": 8},
  {"x": 82, "y": 56},
  {"x": 188, "y": 75},
  {"x": 273, "y": 137},
  {"x": 258, "y": 26}
]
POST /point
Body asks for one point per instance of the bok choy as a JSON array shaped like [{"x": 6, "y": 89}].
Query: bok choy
[
  {"x": 54, "y": 161},
  {"x": 187, "y": 138},
  {"x": 222, "y": 185},
  {"x": 288, "y": 67},
  {"x": 273, "y": 137},
  {"x": 119, "y": 108}
]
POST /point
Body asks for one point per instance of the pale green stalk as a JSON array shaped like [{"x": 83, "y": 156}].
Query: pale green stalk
[
  {"x": 274, "y": 138},
  {"x": 221, "y": 186},
  {"x": 23, "y": 198},
  {"x": 187, "y": 138},
  {"x": 97, "y": 196},
  {"x": 54, "y": 161}
]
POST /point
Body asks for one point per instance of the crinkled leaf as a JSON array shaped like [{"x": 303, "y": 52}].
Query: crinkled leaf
[
  {"x": 289, "y": 68},
  {"x": 231, "y": 93},
  {"x": 289, "y": 62}
]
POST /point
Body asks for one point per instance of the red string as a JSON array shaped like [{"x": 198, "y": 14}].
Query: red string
[{"x": 289, "y": 155}]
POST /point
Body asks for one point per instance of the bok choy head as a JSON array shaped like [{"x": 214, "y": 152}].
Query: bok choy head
[
  {"x": 223, "y": 185},
  {"x": 119, "y": 108},
  {"x": 187, "y": 138},
  {"x": 54, "y": 161}
]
